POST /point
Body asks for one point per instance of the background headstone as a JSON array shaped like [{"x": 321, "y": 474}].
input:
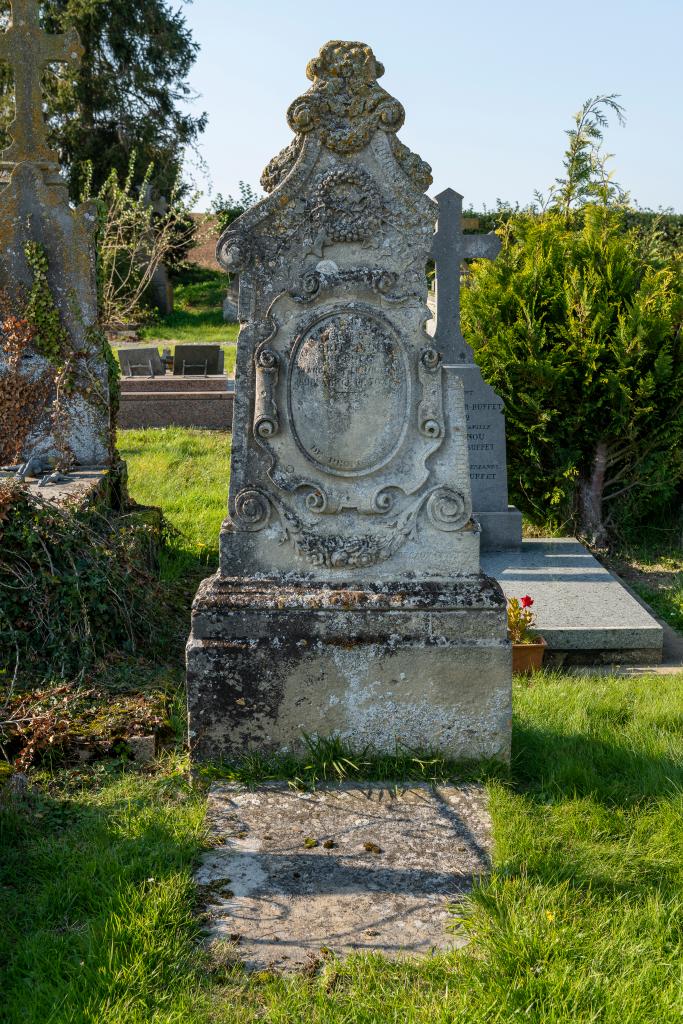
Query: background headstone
[
  {"x": 54, "y": 405},
  {"x": 161, "y": 290},
  {"x": 141, "y": 362},
  {"x": 231, "y": 301},
  {"x": 501, "y": 524},
  {"x": 198, "y": 360},
  {"x": 229, "y": 310},
  {"x": 160, "y": 286},
  {"x": 349, "y": 598}
]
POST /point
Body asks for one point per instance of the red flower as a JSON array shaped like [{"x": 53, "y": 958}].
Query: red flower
[{"x": 527, "y": 602}]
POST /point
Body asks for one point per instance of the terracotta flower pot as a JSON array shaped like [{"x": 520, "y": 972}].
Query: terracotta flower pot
[{"x": 528, "y": 658}]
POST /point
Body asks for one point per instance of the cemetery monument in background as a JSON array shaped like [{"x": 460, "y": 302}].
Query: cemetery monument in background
[{"x": 54, "y": 384}]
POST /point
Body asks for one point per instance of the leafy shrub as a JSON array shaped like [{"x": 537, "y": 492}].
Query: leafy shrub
[
  {"x": 134, "y": 239},
  {"x": 229, "y": 208},
  {"x": 75, "y": 584},
  {"x": 578, "y": 327}
]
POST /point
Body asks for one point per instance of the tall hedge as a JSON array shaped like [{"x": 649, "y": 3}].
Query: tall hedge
[{"x": 577, "y": 325}]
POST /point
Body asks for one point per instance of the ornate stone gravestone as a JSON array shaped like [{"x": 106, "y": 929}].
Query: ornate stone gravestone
[
  {"x": 501, "y": 524},
  {"x": 54, "y": 383},
  {"x": 349, "y": 598}
]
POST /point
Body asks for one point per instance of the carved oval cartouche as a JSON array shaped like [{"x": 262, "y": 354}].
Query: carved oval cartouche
[{"x": 349, "y": 388}]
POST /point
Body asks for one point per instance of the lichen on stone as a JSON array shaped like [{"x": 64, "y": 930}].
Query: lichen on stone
[{"x": 344, "y": 107}]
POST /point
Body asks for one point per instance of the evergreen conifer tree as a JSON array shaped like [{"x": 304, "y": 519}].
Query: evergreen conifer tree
[{"x": 127, "y": 94}]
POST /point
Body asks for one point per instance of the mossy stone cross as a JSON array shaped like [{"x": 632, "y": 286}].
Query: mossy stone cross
[{"x": 27, "y": 48}]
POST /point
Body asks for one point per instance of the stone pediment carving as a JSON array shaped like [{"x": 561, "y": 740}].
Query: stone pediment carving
[
  {"x": 345, "y": 106},
  {"x": 342, "y": 401}
]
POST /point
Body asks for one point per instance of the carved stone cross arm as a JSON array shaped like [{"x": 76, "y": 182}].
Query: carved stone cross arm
[
  {"x": 449, "y": 248},
  {"x": 27, "y": 48}
]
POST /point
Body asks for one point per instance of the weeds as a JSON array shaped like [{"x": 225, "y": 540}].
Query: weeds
[
  {"x": 74, "y": 584},
  {"x": 331, "y": 759}
]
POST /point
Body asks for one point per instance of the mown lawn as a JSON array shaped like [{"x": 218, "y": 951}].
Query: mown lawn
[
  {"x": 198, "y": 310},
  {"x": 581, "y": 919},
  {"x": 187, "y": 473}
]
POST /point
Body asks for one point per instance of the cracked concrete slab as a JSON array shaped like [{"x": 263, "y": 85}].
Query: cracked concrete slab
[{"x": 346, "y": 868}]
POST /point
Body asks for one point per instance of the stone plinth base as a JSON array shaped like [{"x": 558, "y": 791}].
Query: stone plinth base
[
  {"x": 202, "y": 402},
  {"x": 424, "y": 665},
  {"x": 82, "y": 487},
  {"x": 500, "y": 530}
]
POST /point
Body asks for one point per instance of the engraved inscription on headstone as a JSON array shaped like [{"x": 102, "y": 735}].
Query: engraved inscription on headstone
[
  {"x": 485, "y": 442},
  {"x": 346, "y": 372}
]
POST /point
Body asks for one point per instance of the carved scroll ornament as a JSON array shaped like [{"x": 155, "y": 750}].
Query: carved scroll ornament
[
  {"x": 430, "y": 411},
  {"x": 446, "y": 510},
  {"x": 266, "y": 422}
]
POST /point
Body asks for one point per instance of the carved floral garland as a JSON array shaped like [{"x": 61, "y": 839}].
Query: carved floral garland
[{"x": 446, "y": 510}]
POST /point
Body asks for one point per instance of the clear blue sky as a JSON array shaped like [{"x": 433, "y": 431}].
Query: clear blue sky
[{"x": 488, "y": 87}]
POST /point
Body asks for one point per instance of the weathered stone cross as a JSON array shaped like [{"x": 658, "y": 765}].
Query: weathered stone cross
[
  {"x": 449, "y": 248},
  {"x": 27, "y": 49}
]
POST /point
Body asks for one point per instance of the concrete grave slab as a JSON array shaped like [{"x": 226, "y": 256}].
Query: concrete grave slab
[
  {"x": 583, "y": 611},
  {"x": 192, "y": 401},
  {"x": 349, "y": 868},
  {"x": 81, "y": 486}
]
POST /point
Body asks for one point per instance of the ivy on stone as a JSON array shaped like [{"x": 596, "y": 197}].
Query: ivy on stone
[{"x": 50, "y": 336}]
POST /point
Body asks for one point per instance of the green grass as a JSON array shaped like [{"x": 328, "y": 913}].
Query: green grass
[
  {"x": 655, "y": 571},
  {"x": 329, "y": 759},
  {"x": 198, "y": 312},
  {"x": 580, "y": 920},
  {"x": 187, "y": 473},
  {"x": 666, "y": 601},
  {"x": 95, "y": 882},
  {"x": 188, "y": 326}
]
